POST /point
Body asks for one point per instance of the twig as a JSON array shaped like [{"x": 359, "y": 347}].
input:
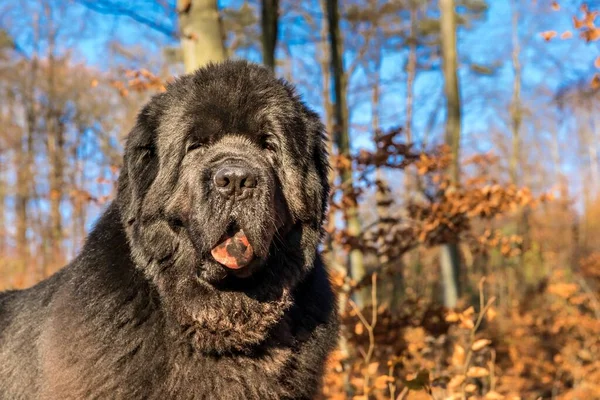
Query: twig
[{"x": 370, "y": 327}]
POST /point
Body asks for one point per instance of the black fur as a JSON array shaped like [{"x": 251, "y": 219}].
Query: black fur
[{"x": 144, "y": 311}]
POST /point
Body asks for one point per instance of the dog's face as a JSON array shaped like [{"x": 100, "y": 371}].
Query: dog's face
[{"x": 223, "y": 194}]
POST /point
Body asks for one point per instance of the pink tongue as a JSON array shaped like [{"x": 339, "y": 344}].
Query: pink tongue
[{"x": 234, "y": 252}]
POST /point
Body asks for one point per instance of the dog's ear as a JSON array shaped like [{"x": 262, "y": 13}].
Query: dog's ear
[
  {"x": 320, "y": 156},
  {"x": 140, "y": 161}
]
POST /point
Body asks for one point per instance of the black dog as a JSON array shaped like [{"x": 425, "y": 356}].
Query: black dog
[{"x": 202, "y": 280}]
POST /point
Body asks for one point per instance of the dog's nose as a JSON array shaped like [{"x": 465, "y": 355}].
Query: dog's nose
[{"x": 230, "y": 180}]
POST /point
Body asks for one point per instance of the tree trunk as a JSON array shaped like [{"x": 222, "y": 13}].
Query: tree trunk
[
  {"x": 56, "y": 155},
  {"x": 411, "y": 71},
  {"x": 342, "y": 142},
  {"x": 516, "y": 112},
  {"x": 449, "y": 260},
  {"x": 515, "y": 109},
  {"x": 269, "y": 22},
  {"x": 202, "y": 37}
]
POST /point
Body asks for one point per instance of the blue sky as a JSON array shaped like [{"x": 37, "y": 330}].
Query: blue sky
[{"x": 547, "y": 67}]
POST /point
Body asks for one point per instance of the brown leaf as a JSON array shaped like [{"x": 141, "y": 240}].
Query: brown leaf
[
  {"x": 470, "y": 388},
  {"x": 493, "y": 395},
  {"x": 566, "y": 35},
  {"x": 548, "y": 35},
  {"x": 595, "y": 82},
  {"x": 420, "y": 382},
  {"x": 477, "y": 372},
  {"x": 491, "y": 314},
  {"x": 372, "y": 368},
  {"x": 458, "y": 356},
  {"x": 359, "y": 328},
  {"x": 597, "y": 62},
  {"x": 555, "y": 6},
  {"x": 452, "y": 317},
  {"x": 456, "y": 381},
  {"x": 382, "y": 381},
  {"x": 480, "y": 344}
]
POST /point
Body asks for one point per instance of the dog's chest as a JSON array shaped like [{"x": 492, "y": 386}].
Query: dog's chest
[{"x": 235, "y": 377}]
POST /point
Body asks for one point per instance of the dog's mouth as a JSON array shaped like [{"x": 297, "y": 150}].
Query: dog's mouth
[{"x": 233, "y": 250}]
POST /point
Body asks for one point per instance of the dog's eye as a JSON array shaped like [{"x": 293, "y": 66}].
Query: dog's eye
[
  {"x": 194, "y": 146},
  {"x": 269, "y": 147},
  {"x": 268, "y": 144}
]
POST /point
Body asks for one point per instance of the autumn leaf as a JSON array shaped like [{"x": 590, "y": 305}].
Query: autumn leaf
[
  {"x": 597, "y": 62},
  {"x": 470, "y": 388},
  {"x": 591, "y": 35},
  {"x": 566, "y": 35},
  {"x": 372, "y": 368},
  {"x": 493, "y": 395},
  {"x": 382, "y": 381},
  {"x": 359, "y": 328},
  {"x": 420, "y": 382},
  {"x": 596, "y": 82},
  {"x": 477, "y": 372},
  {"x": 480, "y": 344},
  {"x": 491, "y": 314},
  {"x": 548, "y": 35},
  {"x": 564, "y": 290},
  {"x": 456, "y": 381},
  {"x": 458, "y": 355},
  {"x": 555, "y": 6},
  {"x": 357, "y": 382}
]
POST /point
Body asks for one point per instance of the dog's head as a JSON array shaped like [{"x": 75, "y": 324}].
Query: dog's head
[{"x": 223, "y": 194}]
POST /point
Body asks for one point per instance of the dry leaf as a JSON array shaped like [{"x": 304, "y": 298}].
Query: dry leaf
[
  {"x": 548, "y": 35},
  {"x": 555, "y": 6},
  {"x": 491, "y": 314},
  {"x": 382, "y": 381},
  {"x": 456, "y": 381},
  {"x": 597, "y": 62},
  {"x": 359, "y": 328},
  {"x": 452, "y": 317},
  {"x": 566, "y": 35},
  {"x": 480, "y": 344},
  {"x": 477, "y": 372},
  {"x": 470, "y": 388},
  {"x": 466, "y": 323},
  {"x": 458, "y": 356},
  {"x": 493, "y": 395},
  {"x": 372, "y": 368},
  {"x": 357, "y": 382},
  {"x": 469, "y": 312},
  {"x": 596, "y": 82}
]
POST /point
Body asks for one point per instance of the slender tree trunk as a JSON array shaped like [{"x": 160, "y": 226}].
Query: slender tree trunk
[
  {"x": 202, "y": 36},
  {"x": 450, "y": 260},
  {"x": 24, "y": 160},
  {"x": 411, "y": 72},
  {"x": 516, "y": 108},
  {"x": 56, "y": 155},
  {"x": 516, "y": 111},
  {"x": 269, "y": 22},
  {"x": 342, "y": 142}
]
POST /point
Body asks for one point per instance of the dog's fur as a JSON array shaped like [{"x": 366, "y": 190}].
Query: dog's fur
[{"x": 144, "y": 311}]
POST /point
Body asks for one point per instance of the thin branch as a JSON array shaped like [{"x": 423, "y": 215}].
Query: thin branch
[{"x": 109, "y": 8}]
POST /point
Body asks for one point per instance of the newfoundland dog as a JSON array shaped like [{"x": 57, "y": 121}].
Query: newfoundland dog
[{"x": 202, "y": 280}]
